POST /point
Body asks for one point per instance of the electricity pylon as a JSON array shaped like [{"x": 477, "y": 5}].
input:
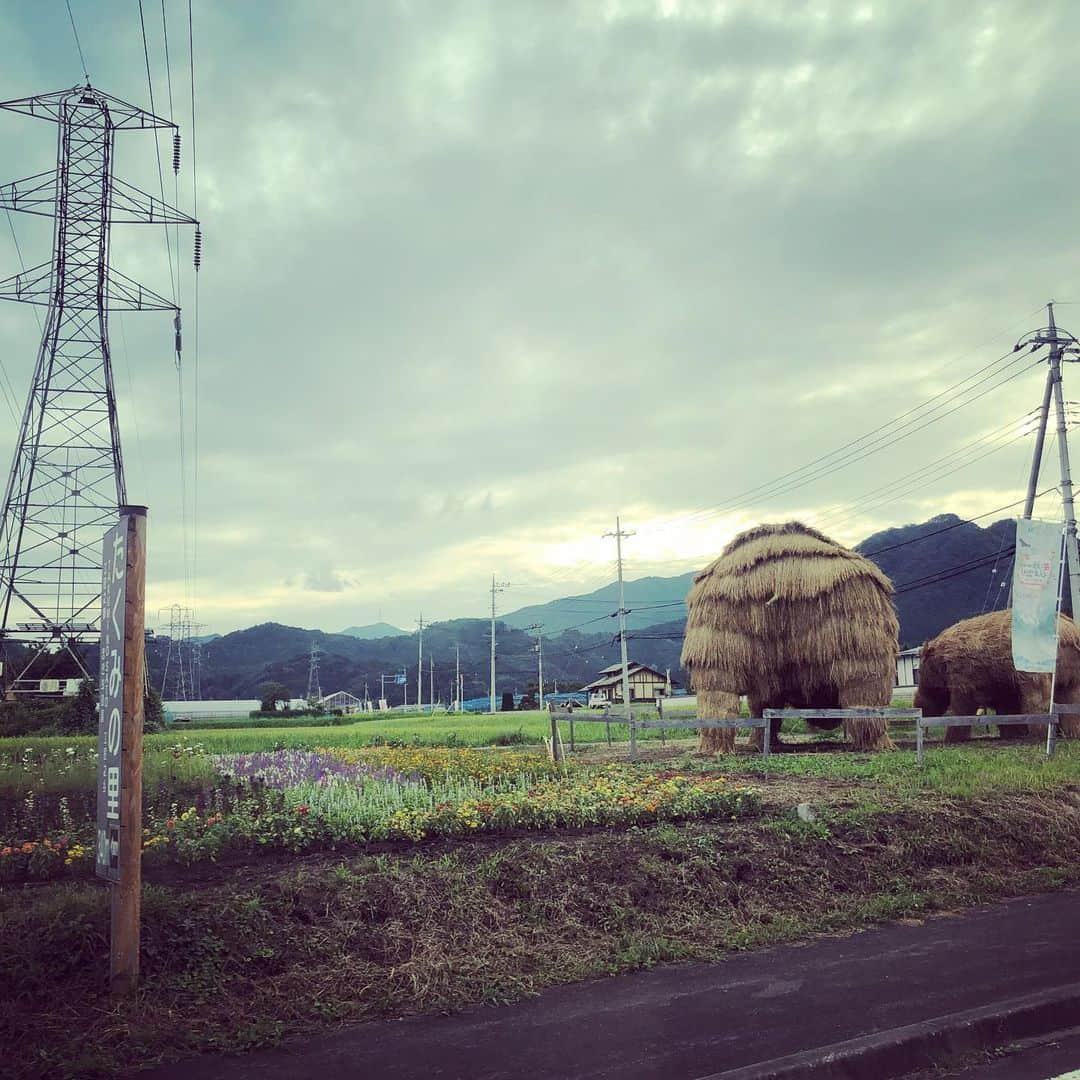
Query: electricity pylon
[
  {"x": 314, "y": 690},
  {"x": 1063, "y": 347},
  {"x": 67, "y": 476}
]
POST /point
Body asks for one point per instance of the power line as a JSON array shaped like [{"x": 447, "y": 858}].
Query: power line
[
  {"x": 901, "y": 427},
  {"x": 844, "y": 512},
  {"x": 197, "y": 259},
  {"x": 78, "y": 43}
]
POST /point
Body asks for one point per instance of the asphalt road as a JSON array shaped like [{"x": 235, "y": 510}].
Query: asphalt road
[
  {"x": 1057, "y": 1056},
  {"x": 694, "y": 1020}
]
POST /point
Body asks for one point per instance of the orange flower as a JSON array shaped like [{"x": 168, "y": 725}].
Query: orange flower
[{"x": 170, "y": 823}]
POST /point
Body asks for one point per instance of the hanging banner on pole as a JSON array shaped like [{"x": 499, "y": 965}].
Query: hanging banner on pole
[{"x": 1036, "y": 588}]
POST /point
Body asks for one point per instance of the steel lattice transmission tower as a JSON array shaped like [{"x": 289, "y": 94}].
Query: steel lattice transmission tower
[
  {"x": 314, "y": 689},
  {"x": 67, "y": 476}
]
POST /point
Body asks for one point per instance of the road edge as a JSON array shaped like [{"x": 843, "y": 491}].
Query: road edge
[{"x": 938, "y": 1041}]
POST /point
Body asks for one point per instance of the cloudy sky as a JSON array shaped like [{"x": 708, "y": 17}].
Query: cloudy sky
[{"x": 480, "y": 276}]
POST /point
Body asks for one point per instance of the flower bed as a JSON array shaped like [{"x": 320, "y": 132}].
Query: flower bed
[{"x": 302, "y": 800}]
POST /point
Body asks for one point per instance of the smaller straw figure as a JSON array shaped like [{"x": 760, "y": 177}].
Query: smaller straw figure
[{"x": 969, "y": 666}]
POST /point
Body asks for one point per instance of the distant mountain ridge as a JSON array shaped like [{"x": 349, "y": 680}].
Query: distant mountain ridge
[
  {"x": 373, "y": 631},
  {"x": 944, "y": 569},
  {"x": 644, "y": 598}
]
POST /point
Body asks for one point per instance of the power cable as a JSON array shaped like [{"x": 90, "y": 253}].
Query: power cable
[
  {"x": 915, "y": 419},
  {"x": 78, "y": 43}
]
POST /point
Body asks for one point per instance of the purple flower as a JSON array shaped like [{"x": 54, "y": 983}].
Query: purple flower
[{"x": 282, "y": 769}]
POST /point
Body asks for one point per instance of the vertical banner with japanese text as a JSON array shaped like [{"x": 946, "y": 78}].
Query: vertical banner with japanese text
[
  {"x": 111, "y": 700},
  {"x": 1036, "y": 590}
]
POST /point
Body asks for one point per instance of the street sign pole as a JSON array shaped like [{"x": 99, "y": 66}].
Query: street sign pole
[{"x": 120, "y": 723}]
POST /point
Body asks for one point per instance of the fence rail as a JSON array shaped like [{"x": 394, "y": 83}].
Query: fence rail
[{"x": 1049, "y": 720}]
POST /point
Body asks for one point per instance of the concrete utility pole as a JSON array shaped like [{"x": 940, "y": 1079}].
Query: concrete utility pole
[
  {"x": 1063, "y": 347},
  {"x": 420, "y": 664},
  {"x": 496, "y": 587},
  {"x": 431, "y": 685},
  {"x": 538, "y": 627},
  {"x": 457, "y": 675},
  {"x": 619, "y": 537}
]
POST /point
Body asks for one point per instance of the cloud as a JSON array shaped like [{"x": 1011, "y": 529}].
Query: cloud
[{"x": 479, "y": 277}]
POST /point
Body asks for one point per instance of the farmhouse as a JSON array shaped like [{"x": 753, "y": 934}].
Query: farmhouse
[
  {"x": 907, "y": 673},
  {"x": 646, "y": 683}
]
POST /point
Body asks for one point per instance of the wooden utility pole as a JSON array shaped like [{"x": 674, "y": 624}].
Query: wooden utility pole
[{"x": 120, "y": 724}]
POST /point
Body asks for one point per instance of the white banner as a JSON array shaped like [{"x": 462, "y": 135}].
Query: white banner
[{"x": 1036, "y": 588}]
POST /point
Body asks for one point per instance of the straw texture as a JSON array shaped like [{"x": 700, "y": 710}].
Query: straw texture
[
  {"x": 790, "y": 618},
  {"x": 969, "y": 666}
]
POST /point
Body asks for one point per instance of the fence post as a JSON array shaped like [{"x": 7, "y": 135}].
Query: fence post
[
  {"x": 920, "y": 756},
  {"x": 607, "y": 723},
  {"x": 556, "y": 746},
  {"x": 571, "y": 729},
  {"x": 1051, "y": 733},
  {"x": 766, "y": 742}
]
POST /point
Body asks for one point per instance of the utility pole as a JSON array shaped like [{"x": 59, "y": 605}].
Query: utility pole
[
  {"x": 539, "y": 627},
  {"x": 431, "y": 684},
  {"x": 420, "y": 664},
  {"x": 1063, "y": 347},
  {"x": 496, "y": 587},
  {"x": 457, "y": 675},
  {"x": 619, "y": 537},
  {"x": 67, "y": 474}
]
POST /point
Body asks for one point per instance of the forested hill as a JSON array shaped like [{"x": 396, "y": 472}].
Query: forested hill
[
  {"x": 944, "y": 570},
  {"x": 236, "y": 664}
]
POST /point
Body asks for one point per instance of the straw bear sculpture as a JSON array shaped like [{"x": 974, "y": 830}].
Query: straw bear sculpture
[
  {"x": 791, "y": 619},
  {"x": 969, "y": 666}
]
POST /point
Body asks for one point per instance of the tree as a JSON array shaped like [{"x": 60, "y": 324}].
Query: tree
[
  {"x": 270, "y": 693},
  {"x": 153, "y": 712},
  {"x": 84, "y": 710}
]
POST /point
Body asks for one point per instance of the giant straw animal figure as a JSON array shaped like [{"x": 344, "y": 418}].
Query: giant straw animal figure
[
  {"x": 969, "y": 666},
  {"x": 791, "y": 619}
]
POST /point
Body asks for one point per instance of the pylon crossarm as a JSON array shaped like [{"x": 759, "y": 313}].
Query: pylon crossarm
[
  {"x": 31, "y": 195},
  {"x": 33, "y": 286},
  {"x": 126, "y": 294},
  {"x": 132, "y": 205},
  {"x": 123, "y": 116}
]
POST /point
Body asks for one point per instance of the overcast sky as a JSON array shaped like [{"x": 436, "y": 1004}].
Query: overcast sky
[{"x": 480, "y": 276}]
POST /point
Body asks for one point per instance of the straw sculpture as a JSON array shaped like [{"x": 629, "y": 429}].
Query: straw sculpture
[
  {"x": 791, "y": 619},
  {"x": 969, "y": 666}
]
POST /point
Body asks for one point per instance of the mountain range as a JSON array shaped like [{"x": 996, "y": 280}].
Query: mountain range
[
  {"x": 373, "y": 631},
  {"x": 944, "y": 569}
]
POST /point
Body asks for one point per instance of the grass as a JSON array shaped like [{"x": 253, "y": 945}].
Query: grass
[{"x": 971, "y": 770}]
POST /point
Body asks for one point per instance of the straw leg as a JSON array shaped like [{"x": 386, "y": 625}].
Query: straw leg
[
  {"x": 1031, "y": 699},
  {"x": 717, "y": 705},
  {"x": 960, "y": 704},
  {"x": 870, "y": 734},
  {"x": 1069, "y": 725}
]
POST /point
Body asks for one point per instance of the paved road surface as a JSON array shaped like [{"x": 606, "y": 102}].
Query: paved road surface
[
  {"x": 1052, "y": 1057},
  {"x": 689, "y": 1021}
]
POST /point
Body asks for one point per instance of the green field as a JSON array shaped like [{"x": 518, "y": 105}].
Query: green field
[{"x": 468, "y": 729}]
